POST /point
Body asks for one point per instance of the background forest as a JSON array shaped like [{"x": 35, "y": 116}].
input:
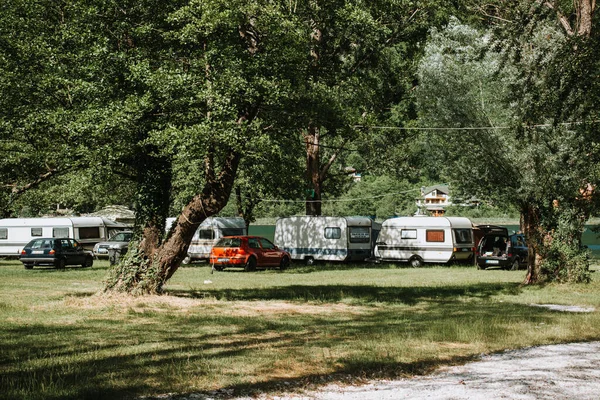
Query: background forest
[{"x": 193, "y": 108}]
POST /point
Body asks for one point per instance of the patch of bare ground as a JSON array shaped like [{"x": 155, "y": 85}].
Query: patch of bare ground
[{"x": 183, "y": 304}]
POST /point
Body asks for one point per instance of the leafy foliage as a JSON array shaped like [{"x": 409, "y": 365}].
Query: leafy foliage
[{"x": 542, "y": 168}]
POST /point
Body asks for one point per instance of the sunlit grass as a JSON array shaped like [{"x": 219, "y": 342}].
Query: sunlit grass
[{"x": 60, "y": 338}]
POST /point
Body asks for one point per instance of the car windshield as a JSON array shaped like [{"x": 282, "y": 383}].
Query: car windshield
[
  {"x": 229, "y": 242},
  {"x": 121, "y": 237},
  {"x": 41, "y": 244}
]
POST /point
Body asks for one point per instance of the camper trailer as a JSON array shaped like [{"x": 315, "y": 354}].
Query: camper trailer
[
  {"x": 317, "y": 238},
  {"x": 421, "y": 240},
  {"x": 207, "y": 234},
  {"x": 17, "y": 232}
]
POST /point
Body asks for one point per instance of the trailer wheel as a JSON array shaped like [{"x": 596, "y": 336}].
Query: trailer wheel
[
  {"x": 309, "y": 261},
  {"x": 416, "y": 262}
]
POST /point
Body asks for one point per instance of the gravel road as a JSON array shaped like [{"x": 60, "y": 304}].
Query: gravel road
[{"x": 566, "y": 371}]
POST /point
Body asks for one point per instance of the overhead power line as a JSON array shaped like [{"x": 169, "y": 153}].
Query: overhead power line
[
  {"x": 469, "y": 128},
  {"x": 338, "y": 200}
]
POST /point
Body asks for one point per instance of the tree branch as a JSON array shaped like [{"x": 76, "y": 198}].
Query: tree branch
[
  {"x": 561, "y": 18},
  {"x": 325, "y": 169}
]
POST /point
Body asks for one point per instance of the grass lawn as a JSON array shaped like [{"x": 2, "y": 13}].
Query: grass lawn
[{"x": 244, "y": 332}]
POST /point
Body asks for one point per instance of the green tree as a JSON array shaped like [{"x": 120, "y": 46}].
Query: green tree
[
  {"x": 379, "y": 196},
  {"x": 527, "y": 156},
  {"x": 273, "y": 173},
  {"x": 358, "y": 62}
]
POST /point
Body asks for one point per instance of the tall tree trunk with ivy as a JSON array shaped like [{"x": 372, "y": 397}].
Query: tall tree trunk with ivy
[
  {"x": 153, "y": 262},
  {"x": 313, "y": 171}
]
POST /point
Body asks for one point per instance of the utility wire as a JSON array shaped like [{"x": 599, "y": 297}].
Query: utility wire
[
  {"x": 337, "y": 200},
  {"x": 470, "y": 128}
]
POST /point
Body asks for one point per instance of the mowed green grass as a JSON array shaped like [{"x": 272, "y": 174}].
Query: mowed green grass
[{"x": 242, "y": 333}]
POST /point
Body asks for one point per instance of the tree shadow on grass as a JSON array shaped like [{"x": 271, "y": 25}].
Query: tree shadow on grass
[
  {"x": 361, "y": 293},
  {"x": 147, "y": 351}
]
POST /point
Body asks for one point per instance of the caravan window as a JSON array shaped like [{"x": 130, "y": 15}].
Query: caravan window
[
  {"x": 333, "y": 233},
  {"x": 60, "y": 232},
  {"x": 408, "y": 234},
  {"x": 462, "y": 236},
  {"x": 359, "y": 234},
  {"x": 36, "y": 232},
  {"x": 91, "y": 232},
  {"x": 232, "y": 231},
  {"x": 434, "y": 236},
  {"x": 3, "y": 233},
  {"x": 206, "y": 234}
]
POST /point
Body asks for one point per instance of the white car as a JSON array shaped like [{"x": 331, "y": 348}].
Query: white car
[{"x": 119, "y": 242}]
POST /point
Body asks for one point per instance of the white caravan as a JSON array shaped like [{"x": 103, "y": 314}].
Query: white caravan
[
  {"x": 207, "y": 234},
  {"x": 421, "y": 240},
  {"x": 312, "y": 238},
  {"x": 15, "y": 233}
]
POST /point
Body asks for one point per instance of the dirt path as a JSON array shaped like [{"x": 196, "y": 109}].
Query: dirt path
[
  {"x": 569, "y": 371},
  {"x": 557, "y": 372}
]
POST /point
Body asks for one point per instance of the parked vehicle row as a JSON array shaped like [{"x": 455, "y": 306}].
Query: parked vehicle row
[
  {"x": 15, "y": 233},
  {"x": 416, "y": 240}
]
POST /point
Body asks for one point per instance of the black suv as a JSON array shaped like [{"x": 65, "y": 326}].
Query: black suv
[
  {"x": 499, "y": 249},
  {"x": 57, "y": 252}
]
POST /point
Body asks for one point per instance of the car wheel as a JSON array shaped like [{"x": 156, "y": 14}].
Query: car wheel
[
  {"x": 28, "y": 266},
  {"x": 515, "y": 265},
  {"x": 187, "y": 260},
  {"x": 416, "y": 262},
  {"x": 309, "y": 261},
  {"x": 89, "y": 261},
  {"x": 60, "y": 263},
  {"x": 250, "y": 264},
  {"x": 480, "y": 266},
  {"x": 285, "y": 263}
]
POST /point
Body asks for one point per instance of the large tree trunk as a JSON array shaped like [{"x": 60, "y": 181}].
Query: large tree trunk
[
  {"x": 213, "y": 198},
  {"x": 149, "y": 266},
  {"x": 245, "y": 209},
  {"x": 313, "y": 170},
  {"x": 152, "y": 203},
  {"x": 530, "y": 218}
]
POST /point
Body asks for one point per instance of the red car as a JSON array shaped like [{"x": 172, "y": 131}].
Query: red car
[{"x": 248, "y": 252}]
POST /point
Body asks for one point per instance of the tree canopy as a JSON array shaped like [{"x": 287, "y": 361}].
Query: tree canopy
[{"x": 172, "y": 106}]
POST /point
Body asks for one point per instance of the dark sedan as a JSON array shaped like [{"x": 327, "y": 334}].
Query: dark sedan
[{"x": 57, "y": 252}]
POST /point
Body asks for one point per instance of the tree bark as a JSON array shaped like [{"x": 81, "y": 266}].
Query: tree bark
[
  {"x": 209, "y": 202},
  {"x": 313, "y": 165},
  {"x": 585, "y": 14},
  {"x": 245, "y": 209},
  {"x": 530, "y": 219}
]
